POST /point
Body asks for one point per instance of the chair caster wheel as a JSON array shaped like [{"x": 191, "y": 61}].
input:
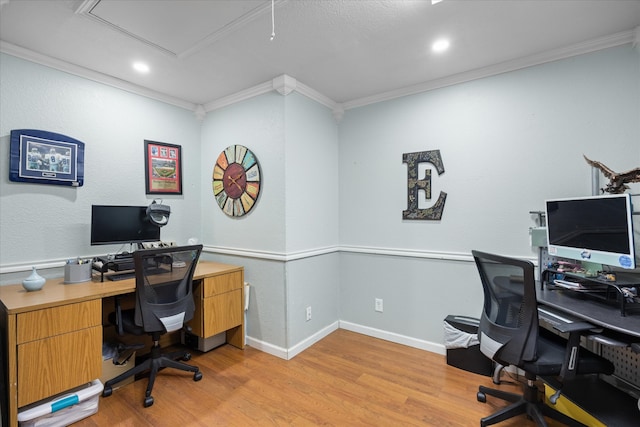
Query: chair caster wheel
[
  {"x": 106, "y": 392},
  {"x": 148, "y": 401},
  {"x": 197, "y": 376},
  {"x": 186, "y": 357},
  {"x": 481, "y": 397}
]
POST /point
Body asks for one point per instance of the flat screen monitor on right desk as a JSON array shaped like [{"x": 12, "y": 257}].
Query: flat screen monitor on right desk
[
  {"x": 598, "y": 233},
  {"x": 597, "y": 229}
]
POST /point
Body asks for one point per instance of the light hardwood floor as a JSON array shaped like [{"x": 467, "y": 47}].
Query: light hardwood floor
[{"x": 347, "y": 379}]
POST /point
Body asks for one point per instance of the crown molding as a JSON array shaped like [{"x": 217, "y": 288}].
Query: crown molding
[
  {"x": 76, "y": 70},
  {"x": 614, "y": 40},
  {"x": 199, "y": 110},
  {"x": 317, "y": 96},
  {"x": 284, "y": 85},
  {"x": 284, "y": 82},
  {"x": 243, "y": 95}
]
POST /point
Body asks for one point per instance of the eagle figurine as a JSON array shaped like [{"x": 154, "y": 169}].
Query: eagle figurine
[{"x": 617, "y": 181}]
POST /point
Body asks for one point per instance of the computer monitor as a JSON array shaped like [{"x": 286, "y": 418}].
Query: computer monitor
[
  {"x": 121, "y": 225},
  {"x": 597, "y": 229}
]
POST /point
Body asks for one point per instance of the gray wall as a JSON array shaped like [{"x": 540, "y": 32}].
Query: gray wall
[
  {"x": 287, "y": 243},
  {"x": 46, "y": 224},
  {"x": 328, "y": 231},
  {"x": 508, "y": 142}
]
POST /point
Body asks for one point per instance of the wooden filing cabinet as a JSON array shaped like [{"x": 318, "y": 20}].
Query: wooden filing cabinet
[
  {"x": 220, "y": 307},
  {"x": 58, "y": 348}
]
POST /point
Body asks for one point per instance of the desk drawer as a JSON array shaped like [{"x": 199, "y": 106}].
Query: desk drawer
[
  {"x": 222, "y": 312},
  {"x": 217, "y": 314},
  {"x": 59, "y": 363},
  {"x": 221, "y": 284},
  {"x": 39, "y": 324}
]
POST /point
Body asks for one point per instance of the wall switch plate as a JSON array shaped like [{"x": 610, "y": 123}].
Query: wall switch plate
[{"x": 378, "y": 305}]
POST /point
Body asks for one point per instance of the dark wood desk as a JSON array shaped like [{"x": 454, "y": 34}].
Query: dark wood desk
[
  {"x": 607, "y": 403},
  {"x": 596, "y": 312}
]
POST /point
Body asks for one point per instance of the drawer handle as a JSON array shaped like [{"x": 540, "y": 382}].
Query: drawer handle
[{"x": 64, "y": 403}]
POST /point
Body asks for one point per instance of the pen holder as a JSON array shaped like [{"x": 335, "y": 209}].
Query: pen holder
[{"x": 77, "y": 273}]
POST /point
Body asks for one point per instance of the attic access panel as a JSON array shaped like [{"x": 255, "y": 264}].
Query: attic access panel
[{"x": 161, "y": 24}]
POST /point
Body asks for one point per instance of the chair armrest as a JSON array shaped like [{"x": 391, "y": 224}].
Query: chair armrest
[
  {"x": 570, "y": 364},
  {"x": 573, "y": 327}
]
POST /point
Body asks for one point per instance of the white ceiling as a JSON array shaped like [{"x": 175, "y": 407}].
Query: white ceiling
[{"x": 350, "y": 52}]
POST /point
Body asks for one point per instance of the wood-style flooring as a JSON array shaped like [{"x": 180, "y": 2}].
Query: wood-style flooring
[{"x": 346, "y": 379}]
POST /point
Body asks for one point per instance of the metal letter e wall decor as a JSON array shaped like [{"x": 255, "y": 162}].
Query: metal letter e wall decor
[{"x": 414, "y": 185}]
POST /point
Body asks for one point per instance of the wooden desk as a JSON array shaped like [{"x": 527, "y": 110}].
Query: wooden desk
[{"x": 54, "y": 336}]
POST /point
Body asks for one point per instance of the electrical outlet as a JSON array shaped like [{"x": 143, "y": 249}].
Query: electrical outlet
[
  {"x": 378, "y": 305},
  {"x": 308, "y": 313}
]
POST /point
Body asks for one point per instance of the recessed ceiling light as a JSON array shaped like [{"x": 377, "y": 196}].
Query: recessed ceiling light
[
  {"x": 141, "y": 67},
  {"x": 440, "y": 45}
]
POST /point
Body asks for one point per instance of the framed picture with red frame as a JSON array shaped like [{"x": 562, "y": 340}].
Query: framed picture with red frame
[{"x": 162, "y": 167}]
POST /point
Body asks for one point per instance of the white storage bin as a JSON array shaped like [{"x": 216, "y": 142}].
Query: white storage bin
[{"x": 63, "y": 409}]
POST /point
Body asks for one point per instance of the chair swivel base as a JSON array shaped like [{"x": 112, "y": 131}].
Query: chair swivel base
[
  {"x": 153, "y": 364},
  {"x": 528, "y": 403}
]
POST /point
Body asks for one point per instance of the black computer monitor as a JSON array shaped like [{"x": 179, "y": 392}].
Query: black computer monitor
[{"x": 121, "y": 224}]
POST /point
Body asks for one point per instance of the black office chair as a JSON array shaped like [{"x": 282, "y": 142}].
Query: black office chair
[
  {"x": 509, "y": 335},
  {"x": 164, "y": 302}
]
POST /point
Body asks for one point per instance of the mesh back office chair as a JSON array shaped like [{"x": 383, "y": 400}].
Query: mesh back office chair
[
  {"x": 164, "y": 302},
  {"x": 509, "y": 335}
]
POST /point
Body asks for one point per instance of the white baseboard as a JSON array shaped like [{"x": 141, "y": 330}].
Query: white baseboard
[
  {"x": 271, "y": 349},
  {"x": 308, "y": 342},
  {"x": 291, "y": 352},
  {"x": 393, "y": 337}
]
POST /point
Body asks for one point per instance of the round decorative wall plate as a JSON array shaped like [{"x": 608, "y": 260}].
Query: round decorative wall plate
[{"x": 236, "y": 180}]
